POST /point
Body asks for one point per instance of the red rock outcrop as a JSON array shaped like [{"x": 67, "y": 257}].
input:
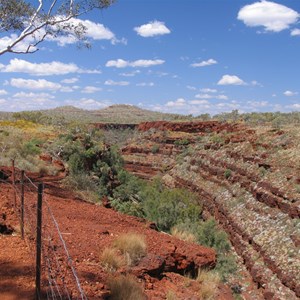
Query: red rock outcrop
[{"x": 227, "y": 166}]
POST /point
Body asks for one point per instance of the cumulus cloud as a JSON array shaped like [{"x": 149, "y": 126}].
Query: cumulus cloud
[
  {"x": 211, "y": 96},
  {"x": 145, "y": 84},
  {"x": 198, "y": 102},
  {"x": 295, "y": 106},
  {"x": 272, "y": 16},
  {"x": 40, "y": 84},
  {"x": 222, "y": 97},
  {"x": 43, "y": 69},
  {"x": 205, "y": 63},
  {"x": 21, "y": 46},
  {"x": 204, "y": 96},
  {"x": 256, "y": 104},
  {"x": 33, "y": 96},
  {"x": 115, "y": 83},
  {"x": 3, "y": 92},
  {"x": 295, "y": 32},
  {"x": 231, "y": 80},
  {"x": 144, "y": 63},
  {"x": 94, "y": 31},
  {"x": 151, "y": 29},
  {"x": 290, "y": 93},
  {"x": 130, "y": 74},
  {"x": 88, "y": 103},
  {"x": 177, "y": 103},
  {"x": 91, "y": 89},
  {"x": 190, "y": 87},
  {"x": 70, "y": 80},
  {"x": 207, "y": 90}
]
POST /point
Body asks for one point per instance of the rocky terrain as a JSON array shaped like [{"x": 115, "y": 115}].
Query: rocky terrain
[
  {"x": 87, "y": 230},
  {"x": 248, "y": 179}
]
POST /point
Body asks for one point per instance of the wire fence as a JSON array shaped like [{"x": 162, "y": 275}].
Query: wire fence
[{"x": 56, "y": 276}]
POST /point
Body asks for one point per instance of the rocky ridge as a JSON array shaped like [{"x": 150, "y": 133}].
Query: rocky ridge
[{"x": 248, "y": 179}]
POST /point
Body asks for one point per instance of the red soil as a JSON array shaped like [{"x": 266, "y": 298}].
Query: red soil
[{"x": 87, "y": 229}]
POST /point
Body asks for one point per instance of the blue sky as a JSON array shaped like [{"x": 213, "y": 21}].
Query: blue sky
[{"x": 181, "y": 56}]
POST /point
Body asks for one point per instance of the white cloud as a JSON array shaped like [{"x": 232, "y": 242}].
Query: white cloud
[
  {"x": 210, "y": 96},
  {"x": 130, "y": 74},
  {"x": 177, "y": 103},
  {"x": 3, "y": 101},
  {"x": 33, "y": 96},
  {"x": 222, "y": 97},
  {"x": 43, "y": 69},
  {"x": 94, "y": 31},
  {"x": 205, "y": 63},
  {"x": 70, "y": 80},
  {"x": 231, "y": 80},
  {"x": 120, "y": 63},
  {"x": 40, "y": 84},
  {"x": 256, "y": 83},
  {"x": 290, "y": 93},
  {"x": 295, "y": 106},
  {"x": 255, "y": 104},
  {"x": 91, "y": 89},
  {"x": 272, "y": 16},
  {"x": 207, "y": 90},
  {"x": 114, "y": 83},
  {"x": 20, "y": 47},
  {"x": 152, "y": 29},
  {"x": 3, "y": 92},
  {"x": 192, "y": 88},
  {"x": 295, "y": 32},
  {"x": 204, "y": 96},
  {"x": 88, "y": 103},
  {"x": 198, "y": 102},
  {"x": 66, "y": 89},
  {"x": 145, "y": 84}
]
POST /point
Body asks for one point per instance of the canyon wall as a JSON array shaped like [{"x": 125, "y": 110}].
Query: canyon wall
[{"x": 247, "y": 179}]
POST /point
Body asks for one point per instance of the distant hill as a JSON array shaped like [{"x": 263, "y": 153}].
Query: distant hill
[{"x": 113, "y": 114}]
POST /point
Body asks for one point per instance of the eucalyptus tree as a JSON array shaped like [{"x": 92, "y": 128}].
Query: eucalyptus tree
[{"x": 34, "y": 21}]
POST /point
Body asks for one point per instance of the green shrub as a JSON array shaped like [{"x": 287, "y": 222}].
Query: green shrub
[
  {"x": 31, "y": 148},
  {"x": 155, "y": 148},
  {"x": 168, "y": 207},
  {"x": 208, "y": 234},
  {"x": 227, "y": 173},
  {"x": 183, "y": 142}
]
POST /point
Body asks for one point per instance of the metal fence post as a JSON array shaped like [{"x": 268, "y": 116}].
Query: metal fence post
[
  {"x": 38, "y": 243},
  {"x": 22, "y": 204},
  {"x": 14, "y": 181}
]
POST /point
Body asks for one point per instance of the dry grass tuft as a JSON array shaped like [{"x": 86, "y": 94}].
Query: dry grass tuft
[
  {"x": 125, "y": 288},
  {"x": 132, "y": 245},
  {"x": 183, "y": 235},
  {"x": 209, "y": 281},
  {"x": 110, "y": 260}
]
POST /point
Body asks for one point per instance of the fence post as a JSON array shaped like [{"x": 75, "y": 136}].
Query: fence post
[
  {"x": 14, "y": 181},
  {"x": 22, "y": 204},
  {"x": 38, "y": 243}
]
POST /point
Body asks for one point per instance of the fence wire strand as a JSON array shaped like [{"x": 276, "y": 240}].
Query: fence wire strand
[{"x": 59, "y": 273}]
